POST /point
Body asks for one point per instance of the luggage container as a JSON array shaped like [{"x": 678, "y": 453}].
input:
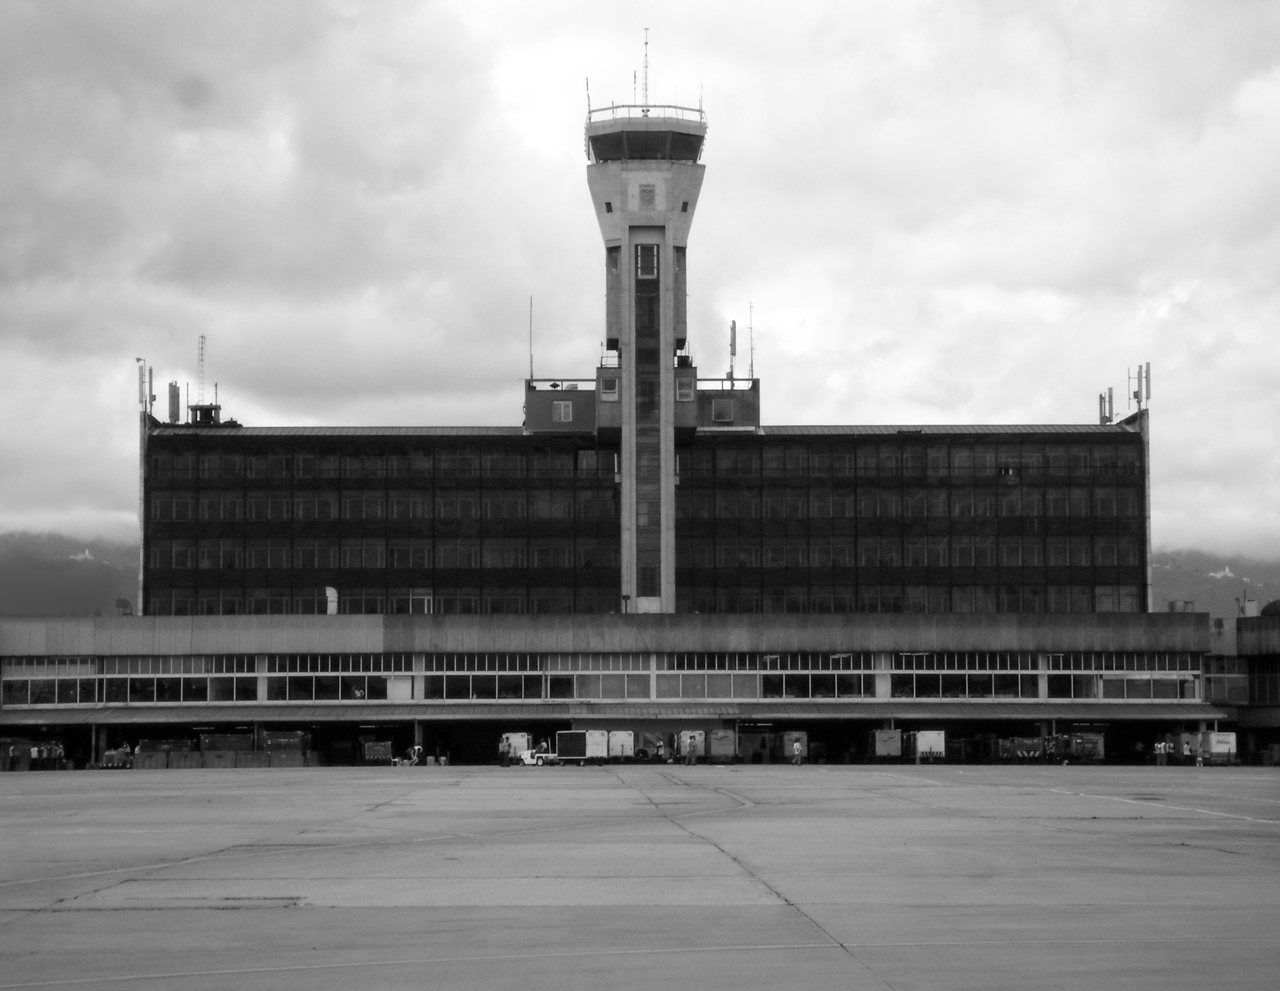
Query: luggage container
[
  {"x": 1217, "y": 748},
  {"x": 722, "y": 745},
  {"x": 512, "y": 745},
  {"x": 693, "y": 745},
  {"x": 622, "y": 744},
  {"x": 926, "y": 744},
  {"x": 789, "y": 739},
  {"x": 886, "y": 743},
  {"x": 580, "y": 746},
  {"x": 375, "y": 751}
]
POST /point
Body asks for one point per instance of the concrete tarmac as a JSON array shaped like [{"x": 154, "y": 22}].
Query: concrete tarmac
[{"x": 642, "y": 876}]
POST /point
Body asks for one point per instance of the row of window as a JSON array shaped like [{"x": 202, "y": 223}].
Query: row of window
[
  {"x": 415, "y": 464},
  {"x": 868, "y": 502},
  {"x": 889, "y": 459},
  {"x": 376, "y": 505},
  {"x": 938, "y": 551},
  {"x": 470, "y": 687},
  {"x": 913, "y": 599},
  {"x": 357, "y": 601},
  {"x": 873, "y": 459},
  {"x": 866, "y": 551},
  {"x": 805, "y": 661},
  {"x": 556, "y": 600},
  {"x": 375, "y": 552}
]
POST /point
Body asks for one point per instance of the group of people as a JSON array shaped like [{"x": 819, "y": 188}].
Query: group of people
[{"x": 1164, "y": 748}]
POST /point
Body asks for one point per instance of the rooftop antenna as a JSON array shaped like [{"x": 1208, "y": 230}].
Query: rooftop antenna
[
  {"x": 588, "y": 96},
  {"x": 530, "y": 337},
  {"x": 751, "y": 329},
  {"x": 200, "y": 373},
  {"x": 646, "y": 67},
  {"x": 733, "y": 345},
  {"x": 1106, "y": 407},
  {"x": 1142, "y": 380}
]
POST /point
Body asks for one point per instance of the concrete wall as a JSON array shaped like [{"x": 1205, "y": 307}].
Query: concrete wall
[
  {"x": 1258, "y": 635},
  {"x": 163, "y": 635}
]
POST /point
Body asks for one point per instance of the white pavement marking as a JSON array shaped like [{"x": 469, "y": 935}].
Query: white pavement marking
[{"x": 1161, "y": 805}]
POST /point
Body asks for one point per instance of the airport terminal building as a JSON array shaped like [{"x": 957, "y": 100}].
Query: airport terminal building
[{"x": 642, "y": 552}]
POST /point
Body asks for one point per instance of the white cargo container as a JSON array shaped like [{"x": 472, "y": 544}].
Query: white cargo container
[
  {"x": 622, "y": 744},
  {"x": 1218, "y": 748},
  {"x": 888, "y": 742},
  {"x": 512, "y": 745},
  {"x": 723, "y": 744},
  {"x": 931, "y": 743},
  {"x": 693, "y": 742},
  {"x": 789, "y": 740}
]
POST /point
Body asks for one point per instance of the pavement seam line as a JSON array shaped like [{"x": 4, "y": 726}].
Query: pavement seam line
[{"x": 749, "y": 872}]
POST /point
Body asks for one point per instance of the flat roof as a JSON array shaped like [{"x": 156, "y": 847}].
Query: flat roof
[
  {"x": 763, "y": 710},
  {"x": 850, "y": 430}
]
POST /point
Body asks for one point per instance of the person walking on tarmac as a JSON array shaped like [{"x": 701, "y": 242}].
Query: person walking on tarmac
[{"x": 797, "y": 754}]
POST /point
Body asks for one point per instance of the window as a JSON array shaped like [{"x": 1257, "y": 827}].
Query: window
[
  {"x": 562, "y": 411},
  {"x": 608, "y": 207},
  {"x": 609, "y": 390},
  {"x": 684, "y": 390},
  {"x": 722, "y": 410},
  {"x": 646, "y": 261}
]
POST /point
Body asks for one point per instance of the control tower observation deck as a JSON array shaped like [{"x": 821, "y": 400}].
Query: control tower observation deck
[{"x": 644, "y": 176}]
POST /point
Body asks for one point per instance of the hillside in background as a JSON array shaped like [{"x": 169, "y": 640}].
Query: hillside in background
[
  {"x": 49, "y": 574},
  {"x": 56, "y": 575}
]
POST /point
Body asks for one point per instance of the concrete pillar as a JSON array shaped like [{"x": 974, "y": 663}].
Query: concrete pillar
[{"x": 417, "y": 732}]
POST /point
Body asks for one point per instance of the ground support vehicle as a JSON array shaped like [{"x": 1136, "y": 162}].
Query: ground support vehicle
[
  {"x": 537, "y": 757},
  {"x": 581, "y": 746}
]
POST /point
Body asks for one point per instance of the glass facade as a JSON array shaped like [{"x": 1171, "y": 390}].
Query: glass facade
[
  {"x": 940, "y": 524},
  {"x": 1134, "y": 676}
]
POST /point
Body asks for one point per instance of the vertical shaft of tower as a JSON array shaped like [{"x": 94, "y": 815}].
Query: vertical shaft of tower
[{"x": 645, "y": 178}]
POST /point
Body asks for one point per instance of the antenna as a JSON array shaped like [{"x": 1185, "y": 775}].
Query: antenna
[
  {"x": 733, "y": 344},
  {"x": 1140, "y": 385},
  {"x": 751, "y": 329},
  {"x": 588, "y": 96},
  {"x": 530, "y": 337},
  {"x": 200, "y": 373},
  {"x": 646, "y": 67}
]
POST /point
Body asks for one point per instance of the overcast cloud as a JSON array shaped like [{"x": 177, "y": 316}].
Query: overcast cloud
[{"x": 943, "y": 213}]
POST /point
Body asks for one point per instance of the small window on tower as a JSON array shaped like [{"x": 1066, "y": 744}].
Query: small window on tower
[
  {"x": 648, "y": 197},
  {"x": 561, "y": 412},
  {"x": 646, "y": 261},
  {"x": 609, "y": 390},
  {"x": 722, "y": 410},
  {"x": 684, "y": 390},
  {"x": 608, "y": 207},
  {"x": 684, "y": 207}
]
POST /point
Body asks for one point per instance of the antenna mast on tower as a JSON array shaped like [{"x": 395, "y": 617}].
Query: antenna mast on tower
[
  {"x": 646, "y": 68},
  {"x": 751, "y": 339},
  {"x": 200, "y": 373}
]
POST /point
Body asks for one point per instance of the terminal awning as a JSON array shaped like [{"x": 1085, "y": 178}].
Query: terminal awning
[{"x": 748, "y": 711}]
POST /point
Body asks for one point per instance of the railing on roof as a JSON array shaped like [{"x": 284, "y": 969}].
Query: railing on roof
[
  {"x": 728, "y": 385},
  {"x": 566, "y": 385},
  {"x": 625, "y": 110}
]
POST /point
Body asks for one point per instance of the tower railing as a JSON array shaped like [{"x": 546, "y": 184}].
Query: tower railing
[{"x": 626, "y": 110}]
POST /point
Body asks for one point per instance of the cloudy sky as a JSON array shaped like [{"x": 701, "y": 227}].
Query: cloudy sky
[{"x": 942, "y": 212}]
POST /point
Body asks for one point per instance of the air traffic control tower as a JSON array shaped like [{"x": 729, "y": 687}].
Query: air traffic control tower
[{"x": 645, "y": 177}]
